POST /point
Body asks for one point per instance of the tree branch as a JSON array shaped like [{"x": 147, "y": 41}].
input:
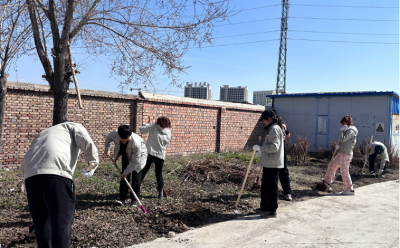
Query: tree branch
[
  {"x": 44, "y": 59},
  {"x": 84, "y": 19}
]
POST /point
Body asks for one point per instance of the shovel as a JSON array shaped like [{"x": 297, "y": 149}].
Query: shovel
[
  {"x": 129, "y": 185},
  {"x": 245, "y": 178}
]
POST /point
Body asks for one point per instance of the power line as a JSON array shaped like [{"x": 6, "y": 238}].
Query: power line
[
  {"x": 272, "y": 31},
  {"x": 302, "y": 31},
  {"x": 344, "y": 6},
  {"x": 235, "y": 23},
  {"x": 340, "y": 41},
  {"x": 343, "y": 41},
  {"x": 334, "y": 19},
  {"x": 325, "y": 32},
  {"x": 311, "y": 18}
]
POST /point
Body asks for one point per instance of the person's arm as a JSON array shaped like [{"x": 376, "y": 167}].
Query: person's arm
[
  {"x": 86, "y": 144},
  {"x": 384, "y": 158},
  {"x": 345, "y": 136},
  {"x": 107, "y": 143},
  {"x": 275, "y": 142},
  {"x": 135, "y": 158},
  {"x": 146, "y": 128}
]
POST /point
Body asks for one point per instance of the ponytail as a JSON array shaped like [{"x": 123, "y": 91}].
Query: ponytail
[{"x": 278, "y": 120}]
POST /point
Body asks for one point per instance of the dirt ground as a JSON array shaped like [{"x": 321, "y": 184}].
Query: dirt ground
[{"x": 202, "y": 189}]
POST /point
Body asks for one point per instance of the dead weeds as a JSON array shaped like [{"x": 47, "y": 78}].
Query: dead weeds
[{"x": 202, "y": 189}]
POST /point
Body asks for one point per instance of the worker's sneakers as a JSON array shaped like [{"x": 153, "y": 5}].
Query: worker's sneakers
[
  {"x": 268, "y": 214},
  {"x": 119, "y": 202},
  {"x": 134, "y": 204},
  {"x": 348, "y": 192},
  {"x": 288, "y": 197},
  {"x": 260, "y": 211},
  {"x": 373, "y": 173}
]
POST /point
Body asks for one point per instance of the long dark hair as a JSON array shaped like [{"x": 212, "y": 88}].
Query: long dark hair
[{"x": 278, "y": 120}]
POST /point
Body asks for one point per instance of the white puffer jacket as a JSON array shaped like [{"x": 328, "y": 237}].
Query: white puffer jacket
[
  {"x": 56, "y": 150},
  {"x": 135, "y": 151},
  {"x": 158, "y": 141}
]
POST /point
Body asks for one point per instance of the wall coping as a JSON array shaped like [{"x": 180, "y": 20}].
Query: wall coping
[
  {"x": 83, "y": 92},
  {"x": 201, "y": 102},
  {"x": 153, "y": 97}
]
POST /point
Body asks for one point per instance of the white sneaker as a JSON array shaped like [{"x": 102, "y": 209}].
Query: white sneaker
[
  {"x": 348, "y": 192},
  {"x": 288, "y": 197}
]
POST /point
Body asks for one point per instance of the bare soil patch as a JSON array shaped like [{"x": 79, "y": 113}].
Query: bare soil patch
[{"x": 202, "y": 189}]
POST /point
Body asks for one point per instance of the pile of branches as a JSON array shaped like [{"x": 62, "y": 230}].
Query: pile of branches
[{"x": 218, "y": 172}]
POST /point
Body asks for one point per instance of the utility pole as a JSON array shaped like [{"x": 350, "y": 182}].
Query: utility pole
[{"x": 281, "y": 78}]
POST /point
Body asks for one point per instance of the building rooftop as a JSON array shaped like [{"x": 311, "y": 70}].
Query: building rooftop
[{"x": 325, "y": 94}]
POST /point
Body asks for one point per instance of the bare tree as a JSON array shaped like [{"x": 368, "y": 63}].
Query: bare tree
[
  {"x": 141, "y": 37},
  {"x": 14, "y": 36}
]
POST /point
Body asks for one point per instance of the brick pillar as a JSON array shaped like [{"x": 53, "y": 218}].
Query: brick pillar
[{"x": 220, "y": 134}]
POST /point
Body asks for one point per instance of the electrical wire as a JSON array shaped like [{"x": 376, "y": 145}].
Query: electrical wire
[
  {"x": 338, "y": 41},
  {"x": 339, "y": 19},
  {"x": 344, "y": 6}
]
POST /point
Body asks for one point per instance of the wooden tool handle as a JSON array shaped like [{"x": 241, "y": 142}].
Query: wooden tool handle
[
  {"x": 245, "y": 178},
  {"x": 129, "y": 185}
]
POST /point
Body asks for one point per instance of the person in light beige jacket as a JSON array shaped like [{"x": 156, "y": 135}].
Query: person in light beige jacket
[
  {"x": 48, "y": 167},
  {"x": 133, "y": 151}
]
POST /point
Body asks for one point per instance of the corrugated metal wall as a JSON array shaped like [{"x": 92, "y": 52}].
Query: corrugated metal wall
[{"x": 301, "y": 116}]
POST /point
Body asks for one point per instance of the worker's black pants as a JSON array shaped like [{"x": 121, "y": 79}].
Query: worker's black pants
[
  {"x": 269, "y": 189},
  {"x": 51, "y": 200},
  {"x": 136, "y": 179},
  {"x": 284, "y": 176},
  {"x": 158, "y": 163},
  {"x": 372, "y": 162}
]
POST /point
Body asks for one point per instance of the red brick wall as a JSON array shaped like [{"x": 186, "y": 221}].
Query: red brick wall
[{"x": 196, "y": 128}]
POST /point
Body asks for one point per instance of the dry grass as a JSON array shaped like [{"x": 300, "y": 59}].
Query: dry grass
[{"x": 299, "y": 149}]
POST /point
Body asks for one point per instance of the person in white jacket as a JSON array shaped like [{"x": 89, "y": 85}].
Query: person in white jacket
[
  {"x": 157, "y": 143},
  {"x": 48, "y": 167},
  {"x": 272, "y": 161},
  {"x": 371, "y": 151},
  {"x": 134, "y": 154}
]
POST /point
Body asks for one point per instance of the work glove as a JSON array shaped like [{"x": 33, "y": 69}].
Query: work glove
[
  {"x": 87, "y": 173},
  {"x": 256, "y": 148},
  {"x": 258, "y": 154},
  {"x": 344, "y": 128},
  {"x": 337, "y": 147},
  {"x": 380, "y": 171}
]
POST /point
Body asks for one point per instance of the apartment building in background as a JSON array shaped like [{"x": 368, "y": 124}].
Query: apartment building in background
[
  {"x": 260, "y": 99},
  {"x": 200, "y": 90},
  {"x": 233, "y": 94}
]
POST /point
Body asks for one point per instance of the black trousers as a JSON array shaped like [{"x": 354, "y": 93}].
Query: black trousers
[
  {"x": 371, "y": 161},
  {"x": 284, "y": 176},
  {"x": 51, "y": 200},
  {"x": 124, "y": 189},
  {"x": 269, "y": 189},
  {"x": 159, "y": 163}
]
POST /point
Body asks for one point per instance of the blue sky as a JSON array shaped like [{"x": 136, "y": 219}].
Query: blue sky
[{"x": 312, "y": 66}]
